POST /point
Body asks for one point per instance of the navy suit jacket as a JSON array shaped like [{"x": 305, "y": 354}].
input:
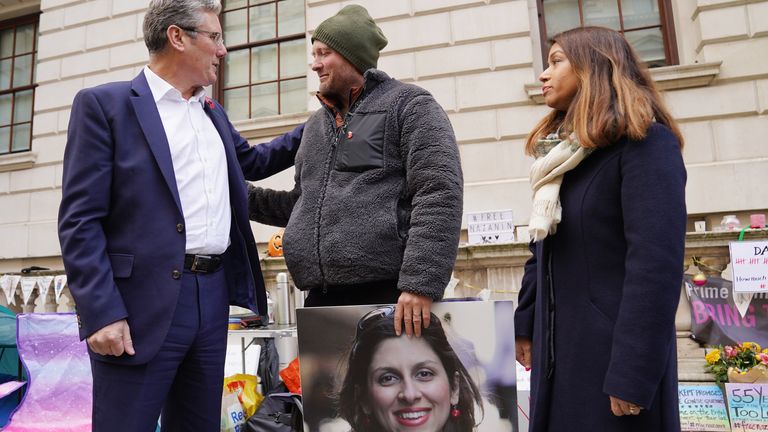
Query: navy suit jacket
[{"x": 121, "y": 226}]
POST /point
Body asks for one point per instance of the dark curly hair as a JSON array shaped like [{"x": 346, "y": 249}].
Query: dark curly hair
[{"x": 372, "y": 329}]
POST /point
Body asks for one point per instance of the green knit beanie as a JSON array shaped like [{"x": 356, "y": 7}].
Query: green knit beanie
[{"x": 353, "y": 34}]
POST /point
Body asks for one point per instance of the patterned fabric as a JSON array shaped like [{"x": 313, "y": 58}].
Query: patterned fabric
[
  {"x": 58, "y": 397},
  {"x": 9, "y": 387}
]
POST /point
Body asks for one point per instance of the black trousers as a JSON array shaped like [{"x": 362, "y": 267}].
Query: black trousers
[{"x": 379, "y": 292}]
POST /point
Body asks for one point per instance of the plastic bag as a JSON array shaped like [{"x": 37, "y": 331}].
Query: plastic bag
[
  {"x": 291, "y": 376},
  {"x": 244, "y": 386},
  {"x": 232, "y": 414}
]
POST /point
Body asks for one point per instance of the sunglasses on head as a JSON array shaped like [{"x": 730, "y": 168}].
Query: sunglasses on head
[{"x": 381, "y": 312}]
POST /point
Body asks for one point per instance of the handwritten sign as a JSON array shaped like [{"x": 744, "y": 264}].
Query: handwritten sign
[
  {"x": 702, "y": 408},
  {"x": 748, "y": 406},
  {"x": 490, "y": 227},
  {"x": 749, "y": 261}
]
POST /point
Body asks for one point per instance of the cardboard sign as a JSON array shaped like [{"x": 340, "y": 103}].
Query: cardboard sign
[
  {"x": 490, "y": 227},
  {"x": 748, "y": 406},
  {"x": 702, "y": 408},
  {"x": 750, "y": 266}
]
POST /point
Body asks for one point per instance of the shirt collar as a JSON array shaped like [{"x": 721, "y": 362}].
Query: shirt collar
[
  {"x": 162, "y": 89},
  {"x": 354, "y": 94}
]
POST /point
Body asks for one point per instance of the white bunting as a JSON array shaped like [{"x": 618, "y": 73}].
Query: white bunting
[
  {"x": 27, "y": 286},
  {"x": 12, "y": 296},
  {"x": 44, "y": 282},
  {"x": 58, "y": 285},
  {"x": 742, "y": 301},
  {"x": 5, "y": 285}
]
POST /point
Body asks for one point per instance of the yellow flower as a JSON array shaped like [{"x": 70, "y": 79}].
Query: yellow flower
[
  {"x": 765, "y": 351},
  {"x": 751, "y": 345},
  {"x": 713, "y": 356}
]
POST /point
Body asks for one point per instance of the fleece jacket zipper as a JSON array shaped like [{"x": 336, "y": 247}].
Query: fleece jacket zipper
[
  {"x": 326, "y": 178},
  {"x": 330, "y": 162}
]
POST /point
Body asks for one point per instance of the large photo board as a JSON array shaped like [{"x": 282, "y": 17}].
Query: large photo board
[{"x": 356, "y": 375}]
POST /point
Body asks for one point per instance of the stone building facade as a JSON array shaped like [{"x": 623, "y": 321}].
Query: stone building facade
[{"x": 481, "y": 60}]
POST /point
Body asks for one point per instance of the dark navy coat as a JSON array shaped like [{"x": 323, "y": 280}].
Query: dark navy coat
[
  {"x": 598, "y": 298},
  {"x": 121, "y": 226}
]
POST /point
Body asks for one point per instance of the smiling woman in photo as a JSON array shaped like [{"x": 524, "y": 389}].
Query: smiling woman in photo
[{"x": 400, "y": 383}]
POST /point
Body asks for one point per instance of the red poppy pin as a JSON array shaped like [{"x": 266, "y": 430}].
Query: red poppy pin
[{"x": 209, "y": 102}]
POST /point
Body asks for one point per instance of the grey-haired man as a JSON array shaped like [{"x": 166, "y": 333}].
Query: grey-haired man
[{"x": 154, "y": 228}]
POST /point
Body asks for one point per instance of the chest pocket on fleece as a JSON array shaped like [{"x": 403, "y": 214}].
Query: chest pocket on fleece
[{"x": 361, "y": 146}]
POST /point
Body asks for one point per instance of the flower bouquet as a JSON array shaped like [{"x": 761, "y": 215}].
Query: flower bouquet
[{"x": 742, "y": 363}]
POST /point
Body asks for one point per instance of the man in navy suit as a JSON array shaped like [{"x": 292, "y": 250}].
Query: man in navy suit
[{"x": 154, "y": 228}]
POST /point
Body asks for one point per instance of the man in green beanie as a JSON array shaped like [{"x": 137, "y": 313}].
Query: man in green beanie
[{"x": 376, "y": 212}]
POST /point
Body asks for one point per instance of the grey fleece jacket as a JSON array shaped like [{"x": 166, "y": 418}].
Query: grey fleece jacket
[{"x": 377, "y": 199}]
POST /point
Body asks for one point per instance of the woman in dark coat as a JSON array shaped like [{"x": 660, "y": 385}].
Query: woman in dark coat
[{"x": 596, "y": 315}]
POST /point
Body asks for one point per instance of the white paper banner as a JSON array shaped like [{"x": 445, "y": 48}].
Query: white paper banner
[
  {"x": 27, "y": 286},
  {"x": 44, "y": 282},
  {"x": 742, "y": 301},
  {"x": 58, "y": 285},
  {"x": 5, "y": 285},
  {"x": 12, "y": 295}
]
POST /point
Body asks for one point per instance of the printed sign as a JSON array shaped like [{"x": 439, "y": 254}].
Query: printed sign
[
  {"x": 490, "y": 227},
  {"x": 748, "y": 406},
  {"x": 523, "y": 409},
  {"x": 523, "y": 397},
  {"x": 750, "y": 266},
  {"x": 702, "y": 408},
  {"x": 363, "y": 354},
  {"x": 716, "y": 319}
]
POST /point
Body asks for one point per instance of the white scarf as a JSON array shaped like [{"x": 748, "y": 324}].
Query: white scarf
[{"x": 554, "y": 157}]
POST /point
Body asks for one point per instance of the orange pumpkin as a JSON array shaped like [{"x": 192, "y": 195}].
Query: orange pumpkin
[{"x": 275, "y": 244}]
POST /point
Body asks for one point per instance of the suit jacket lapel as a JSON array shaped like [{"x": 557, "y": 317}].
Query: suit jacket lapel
[{"x": 149, "y": 120}]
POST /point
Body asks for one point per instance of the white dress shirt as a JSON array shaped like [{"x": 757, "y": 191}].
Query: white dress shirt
[{"x": 199, "y": 165}]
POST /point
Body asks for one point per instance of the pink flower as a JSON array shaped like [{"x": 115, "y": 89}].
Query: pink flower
[
  {"x": 209, "y": 102},
  {"x": 730, "y": 352},
  {"x": 763, "y": 358}
]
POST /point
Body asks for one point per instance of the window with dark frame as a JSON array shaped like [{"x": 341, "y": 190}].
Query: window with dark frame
[
  {"x": 646, "y": 24},
  {"x": 265, "y": 70},
  {"x": 18, "y": 55}
]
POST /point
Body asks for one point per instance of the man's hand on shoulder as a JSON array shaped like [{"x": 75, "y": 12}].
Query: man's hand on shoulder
[
  {"x": 112, "y": 339},
  {"x": 413, "y": 310}
]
